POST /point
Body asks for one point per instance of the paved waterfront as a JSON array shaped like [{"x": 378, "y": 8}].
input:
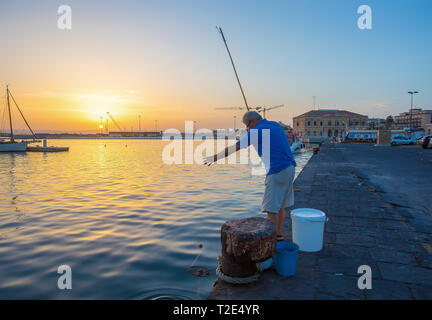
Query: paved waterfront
[{"x": 379, "y": 202}]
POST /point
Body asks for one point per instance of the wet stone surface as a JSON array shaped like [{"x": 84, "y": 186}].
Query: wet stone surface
[{"x": 368, "y": 225}]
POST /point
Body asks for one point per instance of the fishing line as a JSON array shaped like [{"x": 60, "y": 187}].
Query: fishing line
[{"x": 198, "y": 271}]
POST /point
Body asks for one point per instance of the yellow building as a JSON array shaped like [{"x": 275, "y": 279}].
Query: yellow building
[{"x": 324, "y": 124}]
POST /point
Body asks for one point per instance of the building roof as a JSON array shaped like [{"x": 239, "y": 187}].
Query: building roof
[
  {"x": 330, "y": 113},
  {"x": 415, "y": 112}
]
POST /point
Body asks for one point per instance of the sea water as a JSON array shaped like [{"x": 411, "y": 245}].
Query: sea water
[{"x": 128, "y": 225}]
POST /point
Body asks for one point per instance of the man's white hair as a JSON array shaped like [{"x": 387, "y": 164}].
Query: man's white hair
[{"x": 251, "y": 115}]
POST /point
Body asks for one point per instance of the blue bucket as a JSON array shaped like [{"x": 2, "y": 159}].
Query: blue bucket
[{"x": 285, "y": 258}]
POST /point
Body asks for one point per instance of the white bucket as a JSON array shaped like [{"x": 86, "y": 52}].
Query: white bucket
[{"x": 308, "y": 229}]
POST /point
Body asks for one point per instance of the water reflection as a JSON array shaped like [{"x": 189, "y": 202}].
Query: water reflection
[{"x": 126, "y": 223}]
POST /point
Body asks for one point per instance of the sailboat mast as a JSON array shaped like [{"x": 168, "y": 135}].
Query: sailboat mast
[{"x": 10, "y": 116}]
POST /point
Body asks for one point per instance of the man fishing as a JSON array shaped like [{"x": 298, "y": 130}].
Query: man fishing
[{"x": 279, "y": 165}]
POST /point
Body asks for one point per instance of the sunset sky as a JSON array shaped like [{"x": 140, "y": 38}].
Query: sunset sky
[{"x": 166, "y": 61}]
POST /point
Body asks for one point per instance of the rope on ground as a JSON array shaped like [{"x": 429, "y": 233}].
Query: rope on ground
[{"x": 237, "y": 280}]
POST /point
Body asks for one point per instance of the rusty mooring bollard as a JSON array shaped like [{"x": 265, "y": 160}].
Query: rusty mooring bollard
[
  {"x": 315, "y": 150},
  {"x": 245, "y": 243}
]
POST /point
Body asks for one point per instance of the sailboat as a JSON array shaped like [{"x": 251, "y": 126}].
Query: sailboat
[{"x": 12, "y": 145}]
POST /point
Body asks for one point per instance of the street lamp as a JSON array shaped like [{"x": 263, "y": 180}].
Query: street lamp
[{"x": 412, "y": 93}]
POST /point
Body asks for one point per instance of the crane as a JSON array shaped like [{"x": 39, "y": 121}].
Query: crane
[
  {"x": 259, "y": 109},
  {"x": 230, "y": 108},
  {"x": 116, "y": 124},
  {"x": 264, "y": 109}
]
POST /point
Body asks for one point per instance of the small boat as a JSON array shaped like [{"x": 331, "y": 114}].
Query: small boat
[
  {"x": 296, "y": 146},
  {"x": 12, "y": 145},
  {"x": 45, "y": 148}
]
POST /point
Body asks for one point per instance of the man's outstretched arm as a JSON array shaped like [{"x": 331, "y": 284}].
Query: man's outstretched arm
[{"x": 221, "y": 155}]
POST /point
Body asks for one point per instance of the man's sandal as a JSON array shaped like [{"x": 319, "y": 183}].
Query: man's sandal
[{"x": 279, "y": 237}]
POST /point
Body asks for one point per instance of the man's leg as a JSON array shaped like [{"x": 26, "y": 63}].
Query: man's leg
[
  {"x": 287, "y": 202},
  {"x": 277, "y": 219},
  {"x": 272, "y": 217},
  {"x": 278, "y": 193},
  {"x": 281, "y": 218}
]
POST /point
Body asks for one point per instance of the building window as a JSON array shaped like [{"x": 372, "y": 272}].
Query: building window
[
  {"x": 337, "y": 123},
  {"x": 308, "y": 133},
  {"x": 336, "y": 133},
  {"x": 329, "y": 123},
  {"x": 314, "y": 134},
  {"x": 297, "y": 124},
  {"x": 314, "y": 123},
  {"x": 329, "y": 133},
  {"x": 321, "y": 123},
  {"x": 321, "y": 133},
  {"x": 308, "y": 123}
]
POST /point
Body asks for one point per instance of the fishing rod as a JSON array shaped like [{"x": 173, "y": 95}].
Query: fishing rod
[{"x": 232, "y": 62}]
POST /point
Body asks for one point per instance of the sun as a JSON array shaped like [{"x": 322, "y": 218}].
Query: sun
[{"x": 99, "y": 104}]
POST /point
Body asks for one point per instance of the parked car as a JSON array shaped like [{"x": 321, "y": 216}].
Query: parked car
[
  {"x": 398, "y": 140},
  {"x": 426, "y": 142}
]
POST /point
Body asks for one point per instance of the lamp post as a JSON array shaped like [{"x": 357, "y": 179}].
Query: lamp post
[{"x": 412, "y": 93}]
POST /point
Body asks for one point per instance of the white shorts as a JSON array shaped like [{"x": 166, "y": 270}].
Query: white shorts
[{"x": 279, "y": 192}]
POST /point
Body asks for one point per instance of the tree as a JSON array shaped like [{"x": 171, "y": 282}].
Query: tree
[
  {"x": 286, "y": 127},
  {"x": 389, "y": 122}
]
